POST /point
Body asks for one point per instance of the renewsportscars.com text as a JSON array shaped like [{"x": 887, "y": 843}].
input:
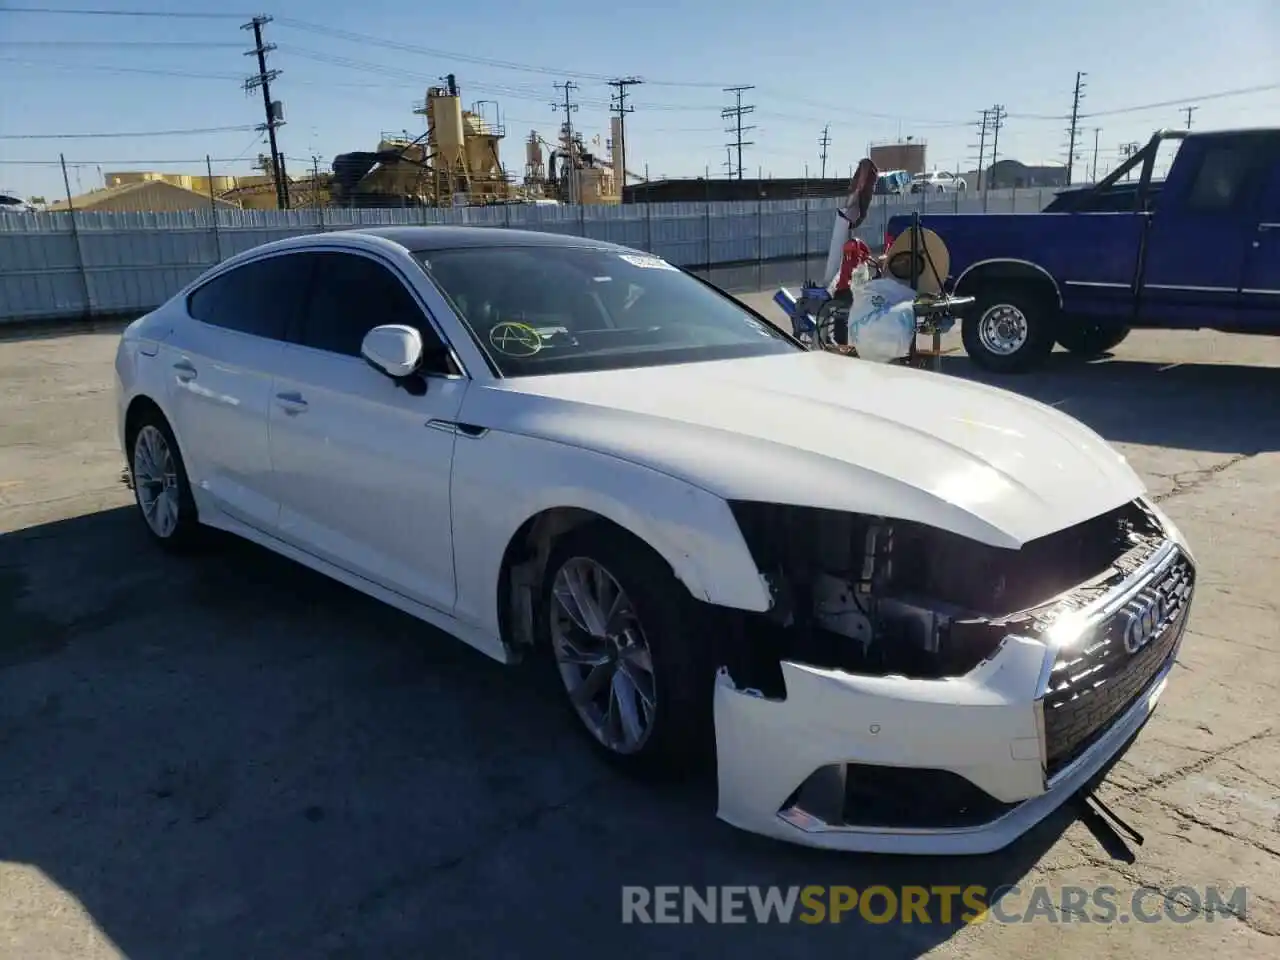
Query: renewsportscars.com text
[{"x": 970, "y": 904}]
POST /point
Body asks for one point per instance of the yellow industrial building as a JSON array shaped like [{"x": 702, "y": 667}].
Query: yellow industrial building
[
  {"x": 457, "y": 162},
  {"x": 141, "y": 196}
]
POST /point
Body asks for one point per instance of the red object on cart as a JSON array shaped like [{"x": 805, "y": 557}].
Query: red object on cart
[{"x": 856, "y": 253}]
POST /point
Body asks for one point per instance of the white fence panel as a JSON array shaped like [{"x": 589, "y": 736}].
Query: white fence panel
[{"x": 55, "y": 265}]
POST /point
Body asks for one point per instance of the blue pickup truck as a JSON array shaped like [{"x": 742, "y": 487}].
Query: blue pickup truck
[{"x": 1198, "y": 249}]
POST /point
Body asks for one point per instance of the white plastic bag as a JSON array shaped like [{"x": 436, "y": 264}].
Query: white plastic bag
[{"x": 882, "y": 320}]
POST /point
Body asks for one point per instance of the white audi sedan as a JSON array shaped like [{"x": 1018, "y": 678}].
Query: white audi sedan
[{"x": 909, "y": 613}]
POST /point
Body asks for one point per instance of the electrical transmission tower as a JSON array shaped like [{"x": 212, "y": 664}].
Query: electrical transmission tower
[
  {"x": 568, "y": 106},
  {"x": 824, "y": 141},
  {"x": 982, "y": 144},
  {"x": 1189, "y": 111},
  {"x": 1074, "y": 129},
  {"x": 735, "y": 114},
  {"x": 274, "y": 112},
  {"x": 619, "y": 104}
]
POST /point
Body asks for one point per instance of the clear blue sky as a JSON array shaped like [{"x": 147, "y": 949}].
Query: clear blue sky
[{"x": 871, "y": 70}]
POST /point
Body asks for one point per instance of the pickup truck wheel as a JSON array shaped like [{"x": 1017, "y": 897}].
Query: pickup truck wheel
[
  {"x": 1009, "y": 329},
  {"x": 1090, "y": 339},
  {"x": 633, "y": 665}
]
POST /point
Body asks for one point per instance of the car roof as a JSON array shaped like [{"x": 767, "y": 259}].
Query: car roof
[{"x": 445, "y": 237}]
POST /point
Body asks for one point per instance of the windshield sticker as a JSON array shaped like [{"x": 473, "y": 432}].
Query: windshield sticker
[
  {"x": 646, "y": 263},
  {"x": 513, "y": 339},
  {"x": 602, "y": 279}
]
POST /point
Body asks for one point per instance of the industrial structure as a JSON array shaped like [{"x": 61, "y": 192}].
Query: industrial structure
[
  {"x": 907, "y": 154},
  {"x": 458, "y": 162}
]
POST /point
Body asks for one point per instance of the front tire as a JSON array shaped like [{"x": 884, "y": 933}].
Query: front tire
[
  {"x": 1009, "y": 328},
  {"x": 634, "y": 669},
  {"x": 161, "y": 489},
  {"x": 1090, "y": 339}
]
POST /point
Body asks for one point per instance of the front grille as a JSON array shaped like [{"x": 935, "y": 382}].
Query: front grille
[{"x": 1090, "y": 685}]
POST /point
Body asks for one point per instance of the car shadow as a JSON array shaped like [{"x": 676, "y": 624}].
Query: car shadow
[
  {"x": 229, "y": 755},
  {"x": 1213, "y": 407}
]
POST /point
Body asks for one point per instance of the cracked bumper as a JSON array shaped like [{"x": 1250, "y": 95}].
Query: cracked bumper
[{"x": 800, "y": 768}]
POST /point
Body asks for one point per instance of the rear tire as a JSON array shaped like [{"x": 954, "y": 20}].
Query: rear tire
[
  {"x": 640, "y": 681},
  {"x": 1089, "y": 339},
  {"x": 1009, "y": 328},
  {"x": 161, "y": 488}
]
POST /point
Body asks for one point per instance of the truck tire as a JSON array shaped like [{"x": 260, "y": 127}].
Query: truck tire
[
  {"x": 1010, "y": 328},
  {"x": 1090, "y": 339}
]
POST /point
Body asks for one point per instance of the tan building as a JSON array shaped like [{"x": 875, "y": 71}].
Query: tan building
[
  {"x": 908, "y": 155},
  {"x": 142, "y": 196}
]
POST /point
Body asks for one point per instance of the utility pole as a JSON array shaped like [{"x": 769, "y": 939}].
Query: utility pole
[
  {"x": 824, "y": 141},
  {"x": 1189, "y": 111},
  {"x": 1097, "y": 131},
  {"x": 982, "y": 144},
  {"x": 736, "y": 113},
  {"x": 998, "y": 115},
  {"x": 568, "y": 106},
  {"x": 1127, "y": 150},
  {"x": 274, "y": 114},
  {"x": 1075, "y": 124},
  {"x": 619, "y": 102}
]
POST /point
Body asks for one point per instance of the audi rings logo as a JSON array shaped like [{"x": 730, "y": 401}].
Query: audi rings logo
[{"x": 1145, "y": 616}]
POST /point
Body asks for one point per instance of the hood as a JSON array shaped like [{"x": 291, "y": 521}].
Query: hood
[{"x": 820, "y": 430}]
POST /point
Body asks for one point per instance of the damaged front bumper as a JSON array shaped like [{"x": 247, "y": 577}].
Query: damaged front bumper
[{"x": 964, "y": 765}]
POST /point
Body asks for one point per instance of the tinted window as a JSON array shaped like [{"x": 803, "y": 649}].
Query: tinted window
[
  {"x": 261, "y": 298},
  {"x": 1226, "y": 172},
  {"x": 350, "y": 296},
  {"x": 552, "y": 309}
]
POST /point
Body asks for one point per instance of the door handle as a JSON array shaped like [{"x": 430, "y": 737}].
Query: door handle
[
  {"x": 1264, "y": 227},
  {"x": 291, "y": 403},
  {"x": 185, "y": 370}
]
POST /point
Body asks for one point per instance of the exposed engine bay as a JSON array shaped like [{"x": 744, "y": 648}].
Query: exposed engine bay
[{"x": 878, "y": 596}]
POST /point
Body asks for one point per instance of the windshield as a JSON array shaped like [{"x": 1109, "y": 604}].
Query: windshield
[{"x": 546, "y": 309}]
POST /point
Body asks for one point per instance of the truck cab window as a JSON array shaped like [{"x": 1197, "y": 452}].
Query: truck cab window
[{"x": 1224, "y": 174}]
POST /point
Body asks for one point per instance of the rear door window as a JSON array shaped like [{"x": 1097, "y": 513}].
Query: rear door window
[{"x": 263, "y": 298}]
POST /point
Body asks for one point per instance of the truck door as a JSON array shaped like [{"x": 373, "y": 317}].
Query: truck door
[
  {"x": 1194, "y": 261},
  {"x": 1260, "y": 288}
]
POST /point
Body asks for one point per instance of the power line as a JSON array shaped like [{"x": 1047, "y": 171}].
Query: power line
[
  {"x": 203, "y": 44},
  {"x": 353, "y": 36},
  {"x": 1221, "y": 94},
  {"x": 124, "y": 136},
  {"x": 1075, "y": 123},
  {"x": 158, "y": 14},
  {"x": 272, "y": 110},
  {"x": 736, "y": 113},
  {"x": 824, "y": 141}
]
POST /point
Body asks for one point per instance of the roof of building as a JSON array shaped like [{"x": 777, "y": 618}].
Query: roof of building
[{"x": 135, "y": 197}]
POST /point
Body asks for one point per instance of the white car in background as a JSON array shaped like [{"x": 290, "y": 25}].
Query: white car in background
[
  {"x": 11, "y": 203},
  {"x": 909, "y": 612},
  {"x": 937, "y": 182}
]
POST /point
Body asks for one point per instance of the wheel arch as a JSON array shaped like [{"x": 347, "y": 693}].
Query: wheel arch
[
  {"x": 138, "y": 406},
  {"x": 694, "y": 560},
  {"x": 1007, "y": 270}
]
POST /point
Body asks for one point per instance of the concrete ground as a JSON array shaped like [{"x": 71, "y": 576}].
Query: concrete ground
[{"x": 230, "y": 756}]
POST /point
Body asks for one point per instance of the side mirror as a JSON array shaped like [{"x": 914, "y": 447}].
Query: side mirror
[{"x": 394, "y": 349}]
